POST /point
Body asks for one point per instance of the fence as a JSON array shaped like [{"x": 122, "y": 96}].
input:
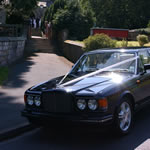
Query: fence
[{"x": 112, "y": 32}]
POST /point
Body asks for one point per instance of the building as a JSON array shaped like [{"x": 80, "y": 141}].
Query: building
[{"x": 44, "y": 3}]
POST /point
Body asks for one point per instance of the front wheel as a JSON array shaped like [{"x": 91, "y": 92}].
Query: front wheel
[{"x": 124, "y": 117}]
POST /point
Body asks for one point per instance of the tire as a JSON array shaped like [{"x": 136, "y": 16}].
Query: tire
[{"x": 124, "y": 117}]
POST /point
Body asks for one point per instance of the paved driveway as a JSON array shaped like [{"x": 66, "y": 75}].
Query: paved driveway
[{"x": 30, "y": 71}]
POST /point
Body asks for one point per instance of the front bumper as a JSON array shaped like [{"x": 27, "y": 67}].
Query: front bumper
[{"x": 67, "y": 117}]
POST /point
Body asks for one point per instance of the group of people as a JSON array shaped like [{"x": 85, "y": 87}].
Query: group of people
[{"x": 35, "y": 22}]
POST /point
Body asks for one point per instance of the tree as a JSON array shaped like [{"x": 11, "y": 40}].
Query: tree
[
  {"x": 121, "y": 13},
  {"x": 19, "y": 10},
  {"x": 70, "y": 15},
  {"x": 1, "y": 2}
]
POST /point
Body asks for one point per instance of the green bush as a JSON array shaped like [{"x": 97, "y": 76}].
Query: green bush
[
  {"x": 142, "y": 39},
  {"x": 70, "y": 15},
  {"x": 18, "y": 11},
  {"x": 3, "y": 74},
  {"x": 98, "y": 41},
  {"x": 124, "y": 43},
  {"x": 148, "y": 24}
]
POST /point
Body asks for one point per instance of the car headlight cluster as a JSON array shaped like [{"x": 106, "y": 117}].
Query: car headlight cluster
[
  {"x": 92, "y": 104},
  {"x": 31, "y": 100},
  {"x": 83, "y": 104}
]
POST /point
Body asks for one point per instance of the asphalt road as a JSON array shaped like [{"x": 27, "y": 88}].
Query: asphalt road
[
  {"x": 85, "y": 137},
  {"x": 38, "y": 67}
]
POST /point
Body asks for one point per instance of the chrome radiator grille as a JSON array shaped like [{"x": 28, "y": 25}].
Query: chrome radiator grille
[{"x": 57, "y": 101}]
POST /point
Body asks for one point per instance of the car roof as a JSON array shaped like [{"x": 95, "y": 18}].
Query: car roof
[{"x": 129, "y": 49}]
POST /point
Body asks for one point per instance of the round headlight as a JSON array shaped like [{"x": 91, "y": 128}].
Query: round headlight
[
  {"x": 92, "y": 104},
  {"x": 81, "y": 104},
  {"x": 37, "y": 101},
  {"x": 30, "y": 100}
]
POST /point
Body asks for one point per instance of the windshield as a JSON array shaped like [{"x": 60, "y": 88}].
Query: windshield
[{"x": 93, "y": 62}]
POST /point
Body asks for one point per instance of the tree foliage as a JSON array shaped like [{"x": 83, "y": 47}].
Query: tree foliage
[
  {"x": 121, "y": 13},
  {"x": 1, "y": 2},
  {"x": 148, "y": 25},
  {"x": 71, "y": 15},
  {"x": 19, "y": 10}
]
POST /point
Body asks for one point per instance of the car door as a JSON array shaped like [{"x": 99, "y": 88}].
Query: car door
[{"x": 143, "y": 83}]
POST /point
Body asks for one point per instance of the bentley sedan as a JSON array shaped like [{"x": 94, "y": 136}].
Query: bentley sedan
[{"x": 105, "y": 86}]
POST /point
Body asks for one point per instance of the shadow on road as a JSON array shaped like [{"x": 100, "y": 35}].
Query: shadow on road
[
  {"x": 23, "y": 66},
  {"x": 32, "y": 69},
  {"x": 16, "y": 70},
  {"x": 87, "y": 138},
  {"x": 10, "y": 112}
]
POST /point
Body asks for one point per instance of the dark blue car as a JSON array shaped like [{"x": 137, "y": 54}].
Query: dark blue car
[{"x": 104, "y": 86}]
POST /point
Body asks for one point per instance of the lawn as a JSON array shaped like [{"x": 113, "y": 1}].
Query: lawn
[
  {"x": 119, "y": 43},
  {"x": 131, "y": 44},
  {"x": 3, "y": 74}
]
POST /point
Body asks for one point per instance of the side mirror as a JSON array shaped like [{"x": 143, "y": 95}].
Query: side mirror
[{"x": 147, "y": 66}]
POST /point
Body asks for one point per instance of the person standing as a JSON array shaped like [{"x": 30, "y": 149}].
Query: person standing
[
  {"x": 46, "y": 29},
  {"x": 39, "y": 23},
  {"x": 34, "y": 22}
]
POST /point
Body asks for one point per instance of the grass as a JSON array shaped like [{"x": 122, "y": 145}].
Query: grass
[
  {"x": 131, "y": 44},
  {"x": 123, "y": 43},
  {"x": 3, "y": 74}
]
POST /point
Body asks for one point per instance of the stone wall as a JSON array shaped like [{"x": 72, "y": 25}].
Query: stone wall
[
  {"x": 72, "y": 50},
  {"x": 2, "y": 16},
  {"x": 11, "y": 49}
]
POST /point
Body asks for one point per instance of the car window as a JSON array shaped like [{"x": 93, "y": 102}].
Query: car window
[
  {"x": 145, "y": 57},
  {"x": 94, "y": 62},
  {"x": 141, "y": 67}
]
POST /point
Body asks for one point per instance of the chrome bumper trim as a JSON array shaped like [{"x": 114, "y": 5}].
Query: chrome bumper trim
[{"x": 97, "y": 121}]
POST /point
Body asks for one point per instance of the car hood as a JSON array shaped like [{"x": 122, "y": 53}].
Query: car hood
[{"x": 89, "y": 85}]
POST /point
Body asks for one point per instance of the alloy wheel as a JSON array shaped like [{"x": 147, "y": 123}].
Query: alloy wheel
[{"x": 124, "y": 116}]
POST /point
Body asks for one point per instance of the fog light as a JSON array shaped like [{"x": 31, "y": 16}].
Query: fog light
[
  {"x": 37, "y": 101},
  {"x": 81, "y": 104},
  {"x": 92, "y": 104},
  {"x": 30, "y": 100}
]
